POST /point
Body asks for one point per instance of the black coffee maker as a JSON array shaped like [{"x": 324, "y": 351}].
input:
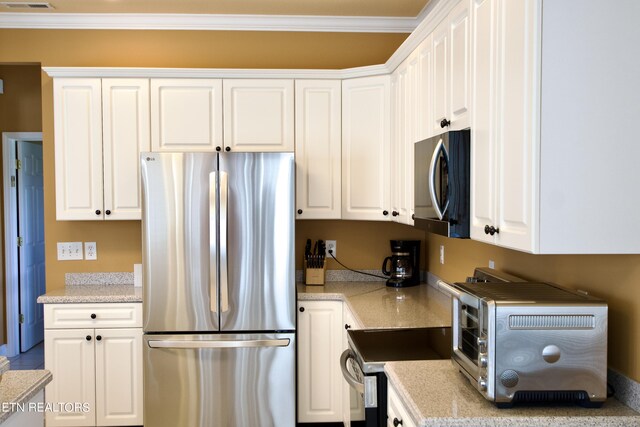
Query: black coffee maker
[{"x": 404, "y": 263}]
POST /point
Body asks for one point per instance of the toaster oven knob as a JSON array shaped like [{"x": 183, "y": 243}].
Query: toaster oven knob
[
  {"x": 482, "y": 343},
  {"x": 484, "y": 360},
  {"x": 482, "y": 383}
]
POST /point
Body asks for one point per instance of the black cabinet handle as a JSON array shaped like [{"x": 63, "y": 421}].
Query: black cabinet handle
[
  {"x": 98, "y": 337},
  {"x": 347, "y": 326},
  {"x": 301, "y": 309},
  {"x": 93, "y": 315},
  {"x": 107, "y": 212},
  {"x": 299, "y": 211},
  {"x": 227, "y": 148},
  {"x": 491, "y": 230},
  {"x": 444, "y": 123},
  {"x": 394, "y": 213},
  {"x": 396, "y": 422},
  {"x": 413, "y": 216},
  {"x": 88, "y": 338},
  {"x": 218, "y": 148},
  {"x": 98, "y": 211},
  {"x": 385, "y": 213}
]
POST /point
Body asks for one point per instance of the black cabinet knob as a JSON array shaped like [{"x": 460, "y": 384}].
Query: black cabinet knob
[
  {"x": 444, "y": 123},
  {"x": 394, "y": 213},
  {"x": 98, "y": 211},
  {"x": 218, "y": 148},
  {"x": 88, "y": 338},
  {"x": 299, "y": 211},
  {"x": 397, "y": 422},
  {"x": 227, "y": 148},
  {"x": 98, "y": 337},
  {"x": 93, "y": 315},
  {"x": 385, "y": 213},
  {"x": 491, "y": 230},
  {"x": 301, "y": 309},
  {"x": 107, "y": 212},
  {"x": 347, "y": 326},
  {"x": 413, "y": 216}
]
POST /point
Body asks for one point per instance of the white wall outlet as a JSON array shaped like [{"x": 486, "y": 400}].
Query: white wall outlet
[
  {"x": 90, "y": 250},
  {"x": 332, "y": 246},
  {"x": 442, "y": 254},
  {"x": 69, "y": 251},
  {"x": 492, "y": 264}
]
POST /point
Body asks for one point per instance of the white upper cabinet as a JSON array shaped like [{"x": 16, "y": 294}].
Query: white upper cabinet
[
  {"x": 542, "y": 181},
  {"x": 425, "y": 90},
  {"x": 318, "y": 149},
  {"x": 101, "y": 126},
  {"x": 366, "y": 144},
  {"x": 258, "y": 115},
  {"x": 451, "y": 82},
  {"x": 77, "y": 109},
  {"x": 186, "y": 114},
  {"x": 125, "y": 134}
]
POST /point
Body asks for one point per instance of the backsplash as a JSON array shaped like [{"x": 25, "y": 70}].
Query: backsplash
[{"x": 73, "y": 279}]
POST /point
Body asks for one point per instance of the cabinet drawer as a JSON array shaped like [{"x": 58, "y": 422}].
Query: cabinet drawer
[
  {"x": 397, "y": 411},
  {"x": 106, "y": 315}
]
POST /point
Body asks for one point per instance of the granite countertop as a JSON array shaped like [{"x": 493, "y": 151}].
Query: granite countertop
[
  {"x": 17, "y": 387},
  {"x": 92, "y": 293},
  {"x": 436, "y": 394},
  {"x": 375, "y": 305}
]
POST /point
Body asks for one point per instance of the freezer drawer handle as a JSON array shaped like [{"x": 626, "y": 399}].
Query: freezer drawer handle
[{"x": 284, "y": 342}]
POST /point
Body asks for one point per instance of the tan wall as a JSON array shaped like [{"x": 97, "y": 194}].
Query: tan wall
[
  {"x": 118, "y": 243},
  {"x": 615, "y": 278},
  {"x": 20, "y": 111}
]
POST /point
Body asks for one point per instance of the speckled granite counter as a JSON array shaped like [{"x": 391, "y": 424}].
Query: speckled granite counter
[
  {"x": 17, "y": 387},
  {"x": 374, "y": 305},
  {"x": 436, "y": 394},
  {"x": 92, "y": 293}
]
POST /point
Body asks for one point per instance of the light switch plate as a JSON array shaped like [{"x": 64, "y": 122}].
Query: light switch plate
[{"x": 68, "y": 251}]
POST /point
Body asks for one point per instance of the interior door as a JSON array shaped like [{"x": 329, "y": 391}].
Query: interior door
[
  {"x": 31, "y": 251},
  {"x": 257, "y": 277}
]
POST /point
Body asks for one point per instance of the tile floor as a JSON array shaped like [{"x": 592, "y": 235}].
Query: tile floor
[{"x": 32, "y": 359}]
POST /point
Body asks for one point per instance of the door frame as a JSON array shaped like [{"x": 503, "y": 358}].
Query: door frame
[{"x": 10, "y": 203}]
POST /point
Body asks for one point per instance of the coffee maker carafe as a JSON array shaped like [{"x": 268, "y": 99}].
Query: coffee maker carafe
[{"x": 403, "y": 266}]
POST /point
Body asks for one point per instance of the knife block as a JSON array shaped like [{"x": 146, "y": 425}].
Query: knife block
[{"x": 314, "y": 276}]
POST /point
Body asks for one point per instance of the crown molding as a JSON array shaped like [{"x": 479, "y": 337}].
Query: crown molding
[
  {"x": 140, "y": 21},
  {"x": 213, "y": 73}
]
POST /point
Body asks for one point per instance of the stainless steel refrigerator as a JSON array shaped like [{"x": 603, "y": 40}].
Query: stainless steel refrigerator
[{"x": 219, "y": 289}]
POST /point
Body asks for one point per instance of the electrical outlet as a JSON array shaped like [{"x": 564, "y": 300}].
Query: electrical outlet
[
  {"x": 90, "y": 250},
  {"x": 69, "y": 251},
  {"x": 492, "y": 264},
  {"x": 442, "y": 254},
  {"x": 333, "y": 247}
]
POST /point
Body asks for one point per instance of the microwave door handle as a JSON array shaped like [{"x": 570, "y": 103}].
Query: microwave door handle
[
  {"x": 353, "y": 382},
  {"x": 432, "y": 178},
  {"x": 445, "y": 155}
]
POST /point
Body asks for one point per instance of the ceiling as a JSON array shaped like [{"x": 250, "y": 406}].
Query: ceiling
[{"x": 368, "y": 8}]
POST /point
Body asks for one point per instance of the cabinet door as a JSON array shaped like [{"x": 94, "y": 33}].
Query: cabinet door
[
  {"x": 118, "y": 377},
  {"x": 397, "y": 413},
  {"x": 125, "y": 130},
  {"x": 77, "y": 111},
  {"x": 186, "y": 114},
  {"x": 69, "y": 355},
  {"x": 319, "y": 347},
  {"x": 398, "y": 166},
  {"x": 258, "y": 115},
  {"x": 459, "y": 80},
  {"x": 483, "y": 133},
  {"x": 366, "y": 137},
  {"x": 318, "y": 136},
  {"x": 440, "y": 77},
  {"x": 425, "y": 89}
]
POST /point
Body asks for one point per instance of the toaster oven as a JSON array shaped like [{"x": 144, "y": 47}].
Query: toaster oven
[{"x": 530, "y": 342}]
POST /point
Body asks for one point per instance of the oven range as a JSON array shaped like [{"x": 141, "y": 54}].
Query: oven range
[{"x": 369, "y": 349}]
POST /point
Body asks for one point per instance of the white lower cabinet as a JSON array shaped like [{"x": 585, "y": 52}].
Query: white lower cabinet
[
  {"x": 397, "y": 413},
  {"x": 28, "y": 418},
  {"x": 320, "y": 343},
  {"x": 97, "y": 369}
]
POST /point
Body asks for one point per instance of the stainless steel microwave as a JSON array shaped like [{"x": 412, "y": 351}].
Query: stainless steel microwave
[{"x": 442, "y": 184}]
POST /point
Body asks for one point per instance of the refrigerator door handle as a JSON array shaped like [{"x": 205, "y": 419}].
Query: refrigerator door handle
[
  {"x": 284, "y": 342},
  {"x": 213, "y": 237},
  {"x": 224, "y": 223}
]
